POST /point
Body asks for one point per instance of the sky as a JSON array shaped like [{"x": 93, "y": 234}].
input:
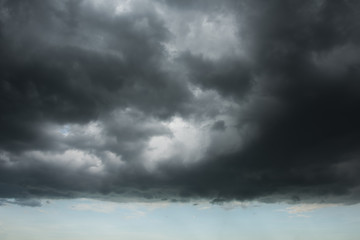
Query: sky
[
  {"x": 92, "y": 219},
  {"x": 247, "y": 109}
]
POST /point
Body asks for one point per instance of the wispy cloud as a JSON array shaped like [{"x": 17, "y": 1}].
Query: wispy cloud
[
  {"x": 299, "y": 210},
  {"x": 137, "y": 209},
  {"x": 101, "y": 207}
]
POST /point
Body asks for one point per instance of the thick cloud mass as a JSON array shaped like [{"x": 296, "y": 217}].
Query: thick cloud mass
[{"x": 180, "y": 100}]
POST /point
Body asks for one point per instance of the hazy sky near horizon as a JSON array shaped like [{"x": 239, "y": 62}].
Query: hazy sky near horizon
[
  {"x": 85, "y": 219},
  {"x": 178, "y": 102}
]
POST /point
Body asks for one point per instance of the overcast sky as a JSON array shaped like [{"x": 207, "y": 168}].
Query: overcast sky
[{"x": 180, "y": 101}]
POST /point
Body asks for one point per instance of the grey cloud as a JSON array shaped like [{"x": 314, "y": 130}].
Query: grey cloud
[
  {"x": 230, "y": 77},
  {"x": 27, "y": 202},
  {"x": 22, "y": 202},
  {"x": 219, "y": 125},
  {"x": 75, "y": 77},
  {"x": 90, "y": 102}
]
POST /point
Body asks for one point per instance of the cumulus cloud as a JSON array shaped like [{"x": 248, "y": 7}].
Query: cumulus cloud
[{"x": 180, "y": 100}]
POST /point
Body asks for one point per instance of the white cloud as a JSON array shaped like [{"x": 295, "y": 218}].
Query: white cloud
[
  {"x": 72, "y": 159},
  {"x": 299, "y": 210},
  {"x": 187, "y": 141}
]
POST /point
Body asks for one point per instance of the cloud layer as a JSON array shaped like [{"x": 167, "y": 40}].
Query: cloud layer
[{"x": 180, "y": 100}]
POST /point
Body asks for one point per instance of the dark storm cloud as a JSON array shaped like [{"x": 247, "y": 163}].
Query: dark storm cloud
[
  {"x": 230, "y": 77},
  {"x": 88, "y": 97},
  {"x": 219, "y": 125},
  {"x": 64, "y": 67},
  {"x": 306, "y": 119}
]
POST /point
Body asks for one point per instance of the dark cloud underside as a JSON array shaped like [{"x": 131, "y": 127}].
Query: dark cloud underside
[{"x": 244, "y": 100}]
